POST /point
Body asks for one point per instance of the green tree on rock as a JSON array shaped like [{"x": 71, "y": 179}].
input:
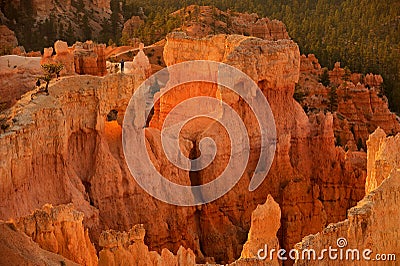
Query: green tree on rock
[
  {"x": 50, "y": 70},
  {"x": 324, "y": 78},
  {"x": 333, "y": 100}
]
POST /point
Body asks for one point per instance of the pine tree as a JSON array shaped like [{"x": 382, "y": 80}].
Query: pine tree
[
  {"x": 324, "y": 78},
  {"x": 115, "y": 13},
  {"x": 87, "y": 32},
  {"x": 333, "y": 100},
  {"x": 70, "y": 34}
]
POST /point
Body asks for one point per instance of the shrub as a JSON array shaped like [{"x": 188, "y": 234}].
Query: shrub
[
  {"x": 324, "y": 78},
  {"x": 49, "y": 71}
]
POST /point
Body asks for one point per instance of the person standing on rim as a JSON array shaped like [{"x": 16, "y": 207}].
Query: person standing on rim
[{"x": 122, "y": 65}]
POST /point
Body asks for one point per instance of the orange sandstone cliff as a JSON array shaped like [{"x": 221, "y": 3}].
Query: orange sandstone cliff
[
  {"x": 357, "y": 103},
  {"x": 82, "y": 58},
  {"x": 383, "y": 158},
  {"x": 60, "y": 230},
  {"x": 265, "y": 223},
  {"x": 18, "y": 75},
  {"x": 313, "y": 181},
  {"x": 61, "y": 148},
  {"x": 121, "y": 248},
  {"x": 374, "y": 223},
  {"x": 16, "y": 248},
  {"x": 66, "y": 147}
]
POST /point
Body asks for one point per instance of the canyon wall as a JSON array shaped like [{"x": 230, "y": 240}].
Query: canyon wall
[
  {"x": 66, "y": 147},
  {"x": 60, "y": 148},
  {"x": 60, "y": 230},
  {"x": 42, "y": 8},
  {"x": 265, "y": 223},
  {"x": 313, "y": 181},
  {"x": 120, "y": 248},
  {"x": 374, "y": 223},
  {"x": 18, "y": 75},
  {"x": 50, "y": 19},
  {"x": 201, "y": 21},
  {"x": 51, "y": 130},
  {"x": 36, "y": 239},
  {"x": 8, "y": 40},
  {"x": 16, "y": 248},
  {"x": 357, "y": 102},
  {"x": 82, "y": 58},
  {"x": 383, "y": 158}
]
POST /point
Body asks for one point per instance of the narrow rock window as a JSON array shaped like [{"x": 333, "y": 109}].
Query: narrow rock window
[{"x": 112, "y": 115}]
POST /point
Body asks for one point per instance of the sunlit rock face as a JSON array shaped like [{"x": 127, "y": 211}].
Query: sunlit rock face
[
  {"x": 82, "y": 58},
  {"x": 383, "y": 158},
  {"x": 18, "y": 75},
  {"x": 16, "y": 248},
  {"x": 373, "y": 223},
  {"x": 265, "y": 223},
  {"x": 66, "y": 147},
  {"x": 60, "y": 230},
  {"x": 128, "y": 247},
  {"x": 68, "y": 151},
  {"x": 313, "y": 181},
  {"x": 356, "y": 101}
]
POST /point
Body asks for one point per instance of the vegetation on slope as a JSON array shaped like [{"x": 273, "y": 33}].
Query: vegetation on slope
[{"x": 364, "y": 35}]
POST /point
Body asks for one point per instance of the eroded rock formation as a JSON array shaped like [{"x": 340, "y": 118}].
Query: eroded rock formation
[
  {"x": 16, "y": 248},
  {"x": 65, "y": 147},
  {"x": 383, "y": 158},
  {"x": 8, "y": 41},
  {"x": 17, "y": 76},
  {"x": 357, "y": 103},
  {"x": 141, "y": 62},
  {"x": 128, "y": 248},
  {"x": 82, "y": 58},
  {"x": 90, "y": 58},
  {"x": 60, "y": 230},
  {"x": 373, "y": 224},
  {"x": 265, "y": 223},
  {"x": 312, "y": 188},
  {"x": 65, "y": 13},
  {"x": 71, "y": 125},
  {"x": 201, "y": 21}
]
